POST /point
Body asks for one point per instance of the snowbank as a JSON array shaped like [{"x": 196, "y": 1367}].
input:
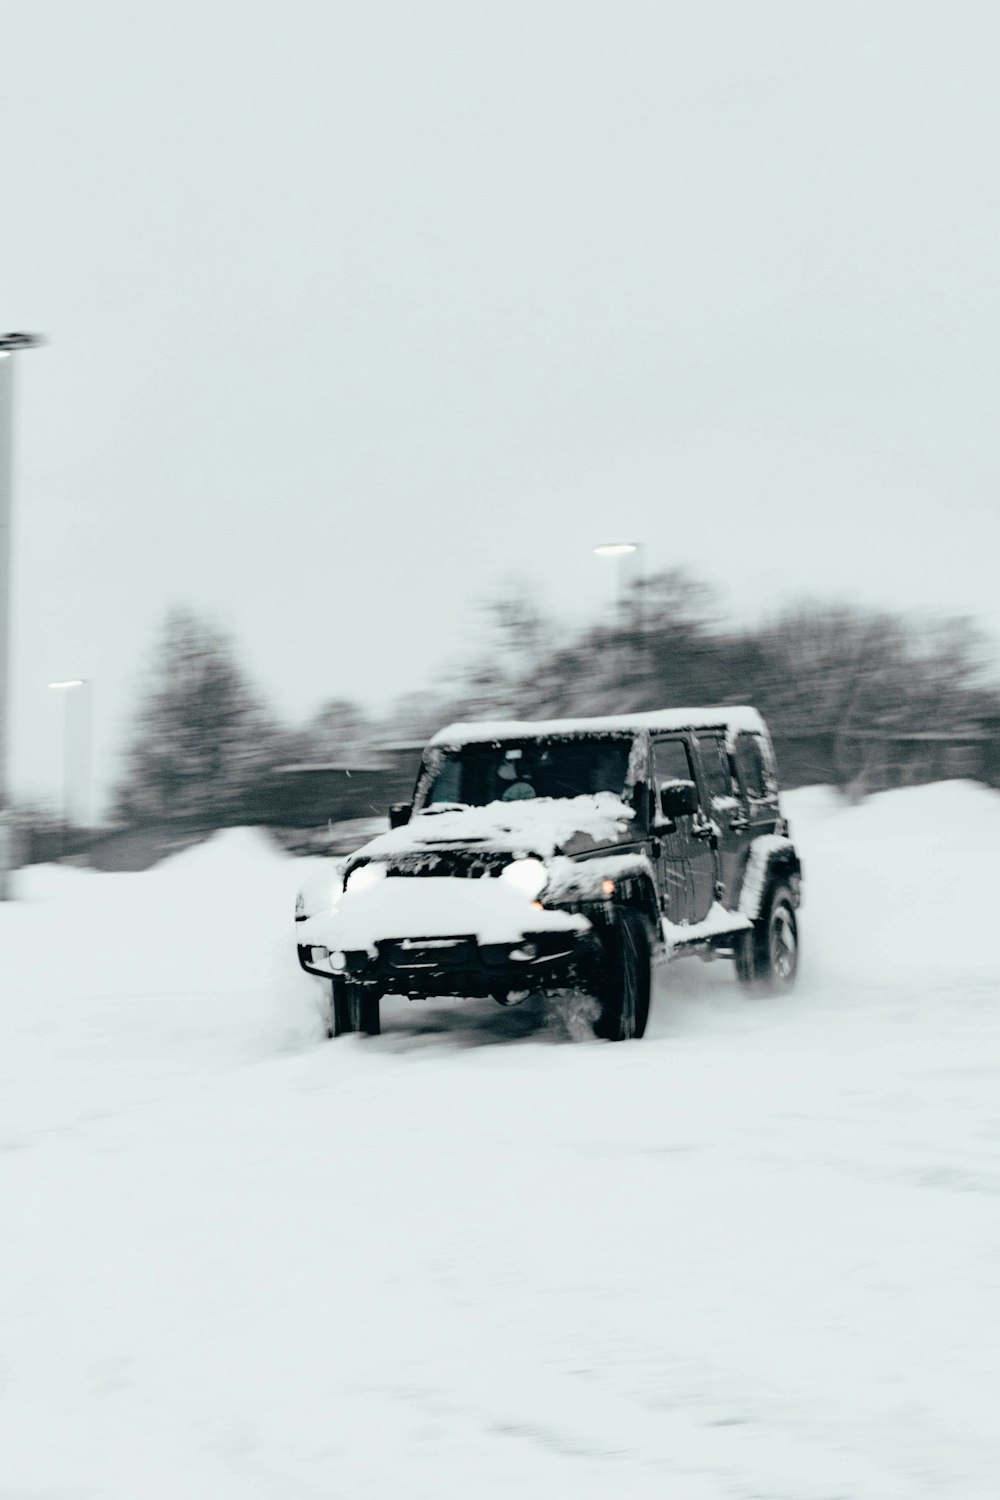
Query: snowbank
[
  {"x": 225, "y": 853},
  {"x": 901, "y": 887}
]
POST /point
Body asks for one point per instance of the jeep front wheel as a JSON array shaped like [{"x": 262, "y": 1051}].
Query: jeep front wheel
[
  {"x": 623, "y": 989},
  {"x": 352, "y": 1009}
]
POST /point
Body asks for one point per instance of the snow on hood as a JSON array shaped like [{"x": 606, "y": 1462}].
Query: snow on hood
[
  {"x": 488, "y": 910},
  {"x": 543, "y": 826}
]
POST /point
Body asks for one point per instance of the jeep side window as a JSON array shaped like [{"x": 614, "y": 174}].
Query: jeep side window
[
  {"x": 446, "y": 787},
  {"x": 671, "y": 762},
  {"x": 715, "y": 764},
  {"x": 750, "y": 765}
]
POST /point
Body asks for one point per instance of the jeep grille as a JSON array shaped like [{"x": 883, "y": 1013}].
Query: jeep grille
[{"x": 462, "y": 864}]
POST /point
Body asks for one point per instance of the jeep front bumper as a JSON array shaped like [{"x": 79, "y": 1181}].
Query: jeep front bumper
[
  {"x": 459, "y": 964},
  {"x": 440, "y": 936}
]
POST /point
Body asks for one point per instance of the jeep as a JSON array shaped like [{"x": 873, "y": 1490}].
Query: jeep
[{"x": 572, "y": 854}]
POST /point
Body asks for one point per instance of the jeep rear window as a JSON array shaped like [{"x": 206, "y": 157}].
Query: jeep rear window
[{"x": 520, "y": 770}]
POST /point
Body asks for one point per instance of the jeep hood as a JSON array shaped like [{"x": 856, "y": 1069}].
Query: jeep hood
[{"x": 545, "y": 826}]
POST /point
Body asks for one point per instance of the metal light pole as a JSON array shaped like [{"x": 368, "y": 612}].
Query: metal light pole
[
  {"x": 86, "y": 708},
  {"x": 619, "y": 551},
  {"x": 645, "y": 654},
  {"x": 10, "y": 343}
]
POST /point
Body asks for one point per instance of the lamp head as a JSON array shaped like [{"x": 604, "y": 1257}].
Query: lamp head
[{"x": 615, "y": 549}]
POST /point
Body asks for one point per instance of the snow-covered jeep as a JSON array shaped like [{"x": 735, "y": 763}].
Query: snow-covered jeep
[{"x": 566, "y": 855}]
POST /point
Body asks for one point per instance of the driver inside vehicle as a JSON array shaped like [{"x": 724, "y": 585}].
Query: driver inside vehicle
[
  {"x": 518, "y": 791},
  {"x": 519, "y": 787}
]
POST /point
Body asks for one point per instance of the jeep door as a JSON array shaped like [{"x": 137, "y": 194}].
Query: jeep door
[
  {"x": 686, "y": 862},
  {"x": 725, "y": 806}
]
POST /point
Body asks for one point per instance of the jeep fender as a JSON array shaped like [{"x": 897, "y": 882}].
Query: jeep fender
[
  {"x": 772, "y": 858},
  {"x": 615, "y": 879}
]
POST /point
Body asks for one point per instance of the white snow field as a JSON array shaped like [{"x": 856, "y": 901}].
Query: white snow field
[{"x": 755, "y": 1255}]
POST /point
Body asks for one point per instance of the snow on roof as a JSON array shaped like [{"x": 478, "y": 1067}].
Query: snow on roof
[{"x": 729, "y": 717}]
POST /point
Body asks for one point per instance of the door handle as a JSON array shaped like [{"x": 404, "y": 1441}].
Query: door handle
[
  {"x": 702, "y": 830},
  {"x": 739, "y": 825}
]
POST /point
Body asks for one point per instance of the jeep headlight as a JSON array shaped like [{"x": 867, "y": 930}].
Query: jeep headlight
[
  {"x": 364, "y": 877},
  {"x": 527, "y": 876}
]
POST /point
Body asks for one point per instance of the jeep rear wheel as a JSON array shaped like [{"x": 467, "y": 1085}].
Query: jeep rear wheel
[
  {"x": 352, "y": 1009},
  {"x": 623, "y": 988},
  {"x": 768, "y": 957}
]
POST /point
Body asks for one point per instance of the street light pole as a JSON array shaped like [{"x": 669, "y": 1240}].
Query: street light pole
[
  {"x": 645, "y": 654},
  {"x": 10, "y": 343},
  {"x": 621, "y": 550},
  {"x": 85, "y": 706}
]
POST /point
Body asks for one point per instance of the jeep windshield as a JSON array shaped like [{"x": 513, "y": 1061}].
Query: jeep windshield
[{"x": 474, "y": 775}]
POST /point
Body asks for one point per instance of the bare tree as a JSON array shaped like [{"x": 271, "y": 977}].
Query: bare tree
[
  {"x": 201, "y": 738},
  {"x": 339, "y": 731}
]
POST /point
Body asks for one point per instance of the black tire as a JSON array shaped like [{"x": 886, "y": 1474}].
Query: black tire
[
  {"x": 745, "y": 957},
  {"x": 352, "y": 1009},
  {"x": 626, "y": 976},
  {"x": 767, "y": 959}
]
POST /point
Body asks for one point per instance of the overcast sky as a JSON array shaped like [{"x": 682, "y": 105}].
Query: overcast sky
[{"x": 357, "y": 310}]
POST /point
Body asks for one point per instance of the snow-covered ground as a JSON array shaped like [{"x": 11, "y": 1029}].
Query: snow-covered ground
[{"x": 754, "y": 1255}]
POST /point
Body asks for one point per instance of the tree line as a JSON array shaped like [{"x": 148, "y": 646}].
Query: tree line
[{"x": 204, "y": 745}]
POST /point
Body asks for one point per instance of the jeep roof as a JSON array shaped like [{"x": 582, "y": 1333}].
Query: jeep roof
[{"x": 734, "y": 719}]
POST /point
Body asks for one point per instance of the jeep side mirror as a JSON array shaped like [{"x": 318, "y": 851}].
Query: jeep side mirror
[
  {"x": 678, "y": 799},
  {"x": 399, "y": 814}
]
